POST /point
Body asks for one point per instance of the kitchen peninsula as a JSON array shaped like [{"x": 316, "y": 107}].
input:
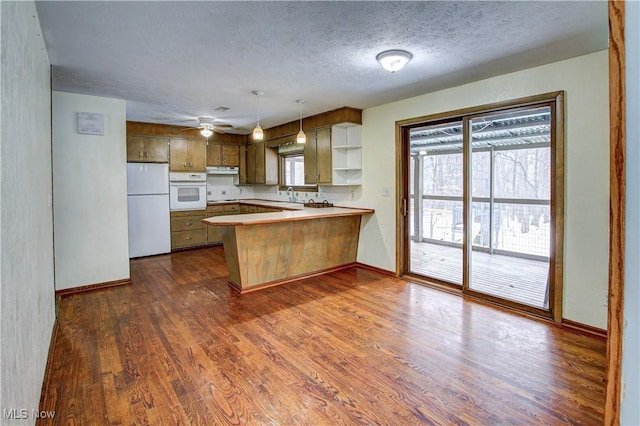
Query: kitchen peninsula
[{"x": 266, "y": 249}]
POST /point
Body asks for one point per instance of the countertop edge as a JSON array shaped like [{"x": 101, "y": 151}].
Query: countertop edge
[{"x": 288, "y": 216}]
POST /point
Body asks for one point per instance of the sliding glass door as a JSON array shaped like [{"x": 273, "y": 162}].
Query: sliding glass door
[
  {"x": 436, "y": 182},
  {"x": 510, "y": 199},
  {"x": 480, "y": 190}
]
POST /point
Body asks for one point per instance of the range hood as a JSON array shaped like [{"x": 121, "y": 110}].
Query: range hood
[{"x": 222, "y": 170}]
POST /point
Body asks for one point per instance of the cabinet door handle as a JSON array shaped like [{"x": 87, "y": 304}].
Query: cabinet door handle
[
  {"x": 140, "y": 154},
  {"x": 190, "y": 164},
  {"x": 187, "y": 238},
  {"x": 187, "y": 224},
  {"x": 146, "y": 154},
  {"x": 185, "y": 163}
]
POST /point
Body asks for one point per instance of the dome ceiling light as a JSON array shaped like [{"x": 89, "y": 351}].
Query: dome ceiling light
[{"x": 394, "y": 60}]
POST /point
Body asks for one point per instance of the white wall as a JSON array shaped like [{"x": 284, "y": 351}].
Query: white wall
[
  {"x": 90, "y": 193},
  {"x": 585, "y": 80},
  {"x": 630, "y": 398},
  {"x": 26, "y": 240}
]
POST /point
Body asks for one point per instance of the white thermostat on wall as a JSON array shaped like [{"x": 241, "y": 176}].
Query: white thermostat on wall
[{"x": 90, "y": 123}]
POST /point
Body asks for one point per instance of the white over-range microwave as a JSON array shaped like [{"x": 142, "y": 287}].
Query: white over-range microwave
[{"x": 187, "y": 191}]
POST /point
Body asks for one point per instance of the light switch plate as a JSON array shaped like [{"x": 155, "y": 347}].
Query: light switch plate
[{"x": 385, "y": 191}]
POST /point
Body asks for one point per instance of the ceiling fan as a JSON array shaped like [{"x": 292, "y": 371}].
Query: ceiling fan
[{"x": 207, "y": 126}]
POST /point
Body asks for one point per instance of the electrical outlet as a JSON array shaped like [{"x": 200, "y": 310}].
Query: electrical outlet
[
  {"x": 224, "y": 192},
  {"x": 208, "y": 192},
  {"x": 385, "y": 191},
  {"x": 353, "y": 195}
]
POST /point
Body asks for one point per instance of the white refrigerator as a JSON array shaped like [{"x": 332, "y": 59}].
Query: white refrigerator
[{"x": 148, "y": 203}]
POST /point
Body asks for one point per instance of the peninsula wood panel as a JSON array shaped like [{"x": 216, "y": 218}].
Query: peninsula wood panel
[
  {"x": 264, "y": 253},
  {"x": 350, "y": 347}
]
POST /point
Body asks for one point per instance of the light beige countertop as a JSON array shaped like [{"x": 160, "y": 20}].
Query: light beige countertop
[{"x": 302, "y": 213}]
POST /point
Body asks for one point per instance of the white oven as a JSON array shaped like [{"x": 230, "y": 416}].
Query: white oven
[{"x": 187, "y": 191}]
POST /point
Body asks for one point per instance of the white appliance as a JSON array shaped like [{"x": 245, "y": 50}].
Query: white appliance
[
  {"x": 148, "y": 203},
  {"x": 222, "y": 170},
  {"x": 187, "y": 191}
]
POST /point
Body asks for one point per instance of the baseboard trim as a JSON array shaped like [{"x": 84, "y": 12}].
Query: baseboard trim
[
  {"x": 375, "y": 269},
  {"x": 291, "y": 279},
  {"x": 44, "y": 392},
  {"x": 584, "y": 329},
  {"x": 91, "y": 287}
]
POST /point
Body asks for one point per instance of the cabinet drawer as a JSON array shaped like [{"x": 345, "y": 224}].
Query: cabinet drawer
[
  {"x": 188, "y": 213},
  {"x": 214, "y": 209},
  {"x": 187, "y": 223},
  {"x": 267, "y": 210},
  {"x": 232, "y": 208},
  {"x": 188, "y": 238}
]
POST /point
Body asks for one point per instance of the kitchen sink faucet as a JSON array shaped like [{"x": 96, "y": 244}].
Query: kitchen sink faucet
[{"x": 292, "y": 198}]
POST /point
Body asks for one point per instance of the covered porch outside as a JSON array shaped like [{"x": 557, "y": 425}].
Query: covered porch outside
[{"x": 514, "y": 278}]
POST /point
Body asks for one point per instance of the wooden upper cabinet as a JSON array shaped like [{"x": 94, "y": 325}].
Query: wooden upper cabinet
[
  {"x": 261, "y": 164},
  {"x": 317, "y": 157},
  {"x": 187, "y": 155},
  {"x": 310, "y": 159},
  {"x": 323, "y": 156},
  {"x": 231, "y": 155},
  {"x": 142, "y": 149},
  {"x": 223, "y": 155},
  {"x": 242, "y": 168},
  {"x": 251, "y": 163},
  {"x": 214, "y": 154}
]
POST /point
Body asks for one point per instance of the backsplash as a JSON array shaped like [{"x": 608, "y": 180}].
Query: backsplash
[
  {"x": 224, "y": 187},
  {"x": 333, "y": 194}
]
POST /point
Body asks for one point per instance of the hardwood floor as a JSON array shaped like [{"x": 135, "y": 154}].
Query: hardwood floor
[{"x": 352, "y": 347}]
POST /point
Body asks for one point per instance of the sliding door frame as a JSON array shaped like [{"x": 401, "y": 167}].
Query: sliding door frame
[{"x": 554, "y": 100}]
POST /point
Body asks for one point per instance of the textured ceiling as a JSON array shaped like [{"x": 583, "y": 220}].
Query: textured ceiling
[{"x": 172, "y": 61}]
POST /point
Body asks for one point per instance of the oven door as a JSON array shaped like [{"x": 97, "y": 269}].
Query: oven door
[{"x": 187, "y": 196}]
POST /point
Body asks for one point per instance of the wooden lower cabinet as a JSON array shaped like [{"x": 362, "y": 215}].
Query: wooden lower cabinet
[{"x": 187, "y": 229}]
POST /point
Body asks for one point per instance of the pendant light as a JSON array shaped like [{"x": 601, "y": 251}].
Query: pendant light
[
  {"x": 301, "y": 137},
  {"x": 258, "y": 134}
]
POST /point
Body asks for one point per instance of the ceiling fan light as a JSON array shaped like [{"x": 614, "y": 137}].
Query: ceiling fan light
[
  {"x": 394, "y": 60},
  {"x": 206, "y": 132},
  {"x": 301, "y": 137},
  {"x": 258, "y": 134}
]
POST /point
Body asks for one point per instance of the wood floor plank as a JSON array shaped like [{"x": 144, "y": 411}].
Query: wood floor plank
[{"x": 180, "y": 347}]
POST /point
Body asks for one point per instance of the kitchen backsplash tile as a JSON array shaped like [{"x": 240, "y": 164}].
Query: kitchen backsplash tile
[{"x": 223, "y": 187}]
